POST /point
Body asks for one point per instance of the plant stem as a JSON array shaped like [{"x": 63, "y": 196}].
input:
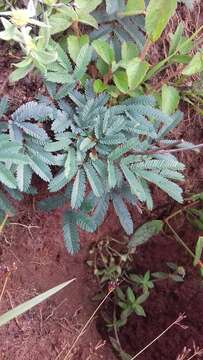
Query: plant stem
[
  {"x": 145, "y": 49},
  {"x": 4, "y": 285},
  {"x": 157, "y": 68},
  {"x": 3, "y": 223},
  {"x": 178, "y": 238},
  {"x": 181, "y": 210},
  {"x": 166, "y": 150},
  {"x": 176, "y": 322},
  {"x": 84, "y": 328},
  {"x": 167, "y": 79}
]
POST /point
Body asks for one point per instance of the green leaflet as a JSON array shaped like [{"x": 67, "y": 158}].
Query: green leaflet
[
  {"x": 75, "y": 44},
  {"x": 136, "y": 71},
  {"x": 198, "y": 252},
  {"x": 195, "y": 66},
  {"x": 70, "y": 164},
  {"x": 134, "y": 7},
  {"x": 88, "y": 5},
  {"x": 52, "y": 202},
  {"x": 23, "y": 177},
  {"x": 94, "y": 180},
  {"x": 172, "y": 189},
  {"x": 145, "y": 232},
  {"x": 135, "y": 184},
  {"x": 83, "y": 59},
  {"x": 58, "y": 182},
  {"x": 78, "y": 191},
  {"x": 123, "y": 214},
  {"x": 170, "y": 99},
  {"x": 7, "y": 178},
  {"x": 104, "y": 50},
  {"x": 3, "y": 105},
  {"x": 121, "y": 80},
  {"x": 5, "y": 205},
  {"x": 70, "y": 232},
  {"x": 112, "y": 176},
  {"x": 40, "y": 168}
]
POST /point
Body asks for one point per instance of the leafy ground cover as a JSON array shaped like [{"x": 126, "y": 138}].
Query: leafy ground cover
[{"x": 32, "y": 249}]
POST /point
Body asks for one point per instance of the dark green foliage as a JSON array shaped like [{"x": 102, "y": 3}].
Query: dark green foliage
[
  {"x": 101, "y": 155},
  {"x": 105, "y": 149}
]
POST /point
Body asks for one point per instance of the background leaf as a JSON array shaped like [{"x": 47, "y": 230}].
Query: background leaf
[
  {"x": 157, "y": 16},
  {"x": 145, "y": 232}
]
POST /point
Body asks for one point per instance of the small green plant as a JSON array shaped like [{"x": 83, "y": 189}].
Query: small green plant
[
  {"x": 114, "y": 265},
  {"x": 10, "y": 157},
  {"x": 129, "y": 303},
  {"x": 194, "y": 216},
  {"x": 115, "y": 152}
]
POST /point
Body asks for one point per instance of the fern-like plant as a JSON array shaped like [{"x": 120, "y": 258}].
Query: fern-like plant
[
  {"x": 107, "y": 155},
  {"x": 10, "y": 157}
]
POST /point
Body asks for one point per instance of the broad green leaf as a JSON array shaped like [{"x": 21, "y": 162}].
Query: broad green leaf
[
  {"x": 121, "y": 81},
  {"x": 104, "y": 50},
  {"x": 59, "y": 22},
  {"x": 130, "y": 295},
  {"x": 157, "y": 16},
  {"x": 62, "y": 77},
  {"x": 136, "y": 71},
  {"x": 129, "y": 51},
  {"x": 102, "y": 66},
  {"x": 195, "y": 66},
  {"x": 176, "y": 38},
  {"x": 20, "y": 73},
  {"x": 86, "y": 18},
  {"x": 198, "y": 252},
  {"x": 75, "y": 44},
  {"x": 20, "y": 309},
  {"x": 185, "y": 45},
  {"x": 88, "y": 5},
  {"x": 145, "y": 232},
  {"x": 99, "y": 86},
  {"x": 83, "y": 59},
  {"x": 134, "y": 7},
  {"x": 113, "y": 6},
  {"x": 170, "y": 99},
  {"x": 45, "y": 57}
]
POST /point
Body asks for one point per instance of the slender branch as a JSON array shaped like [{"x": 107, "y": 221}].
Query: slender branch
[
  {"x": 176, "y": 322},
  {"x": 4, "y": 223},
  {"x": 84, "y": 328},
  {"x": 167, "y": 79},
  {"x": 166, "y": 150},
  {"x": 178, "y": 239},
  {"x": 180, "y": 211},
  {"x": 145, "y": 49}
]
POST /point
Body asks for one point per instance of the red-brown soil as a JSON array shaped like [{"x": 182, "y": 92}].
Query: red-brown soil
[{"x": 34, "y": 242}]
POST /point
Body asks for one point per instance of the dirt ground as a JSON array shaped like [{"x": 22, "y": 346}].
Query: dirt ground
[{"x": 33, "y": 241}]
